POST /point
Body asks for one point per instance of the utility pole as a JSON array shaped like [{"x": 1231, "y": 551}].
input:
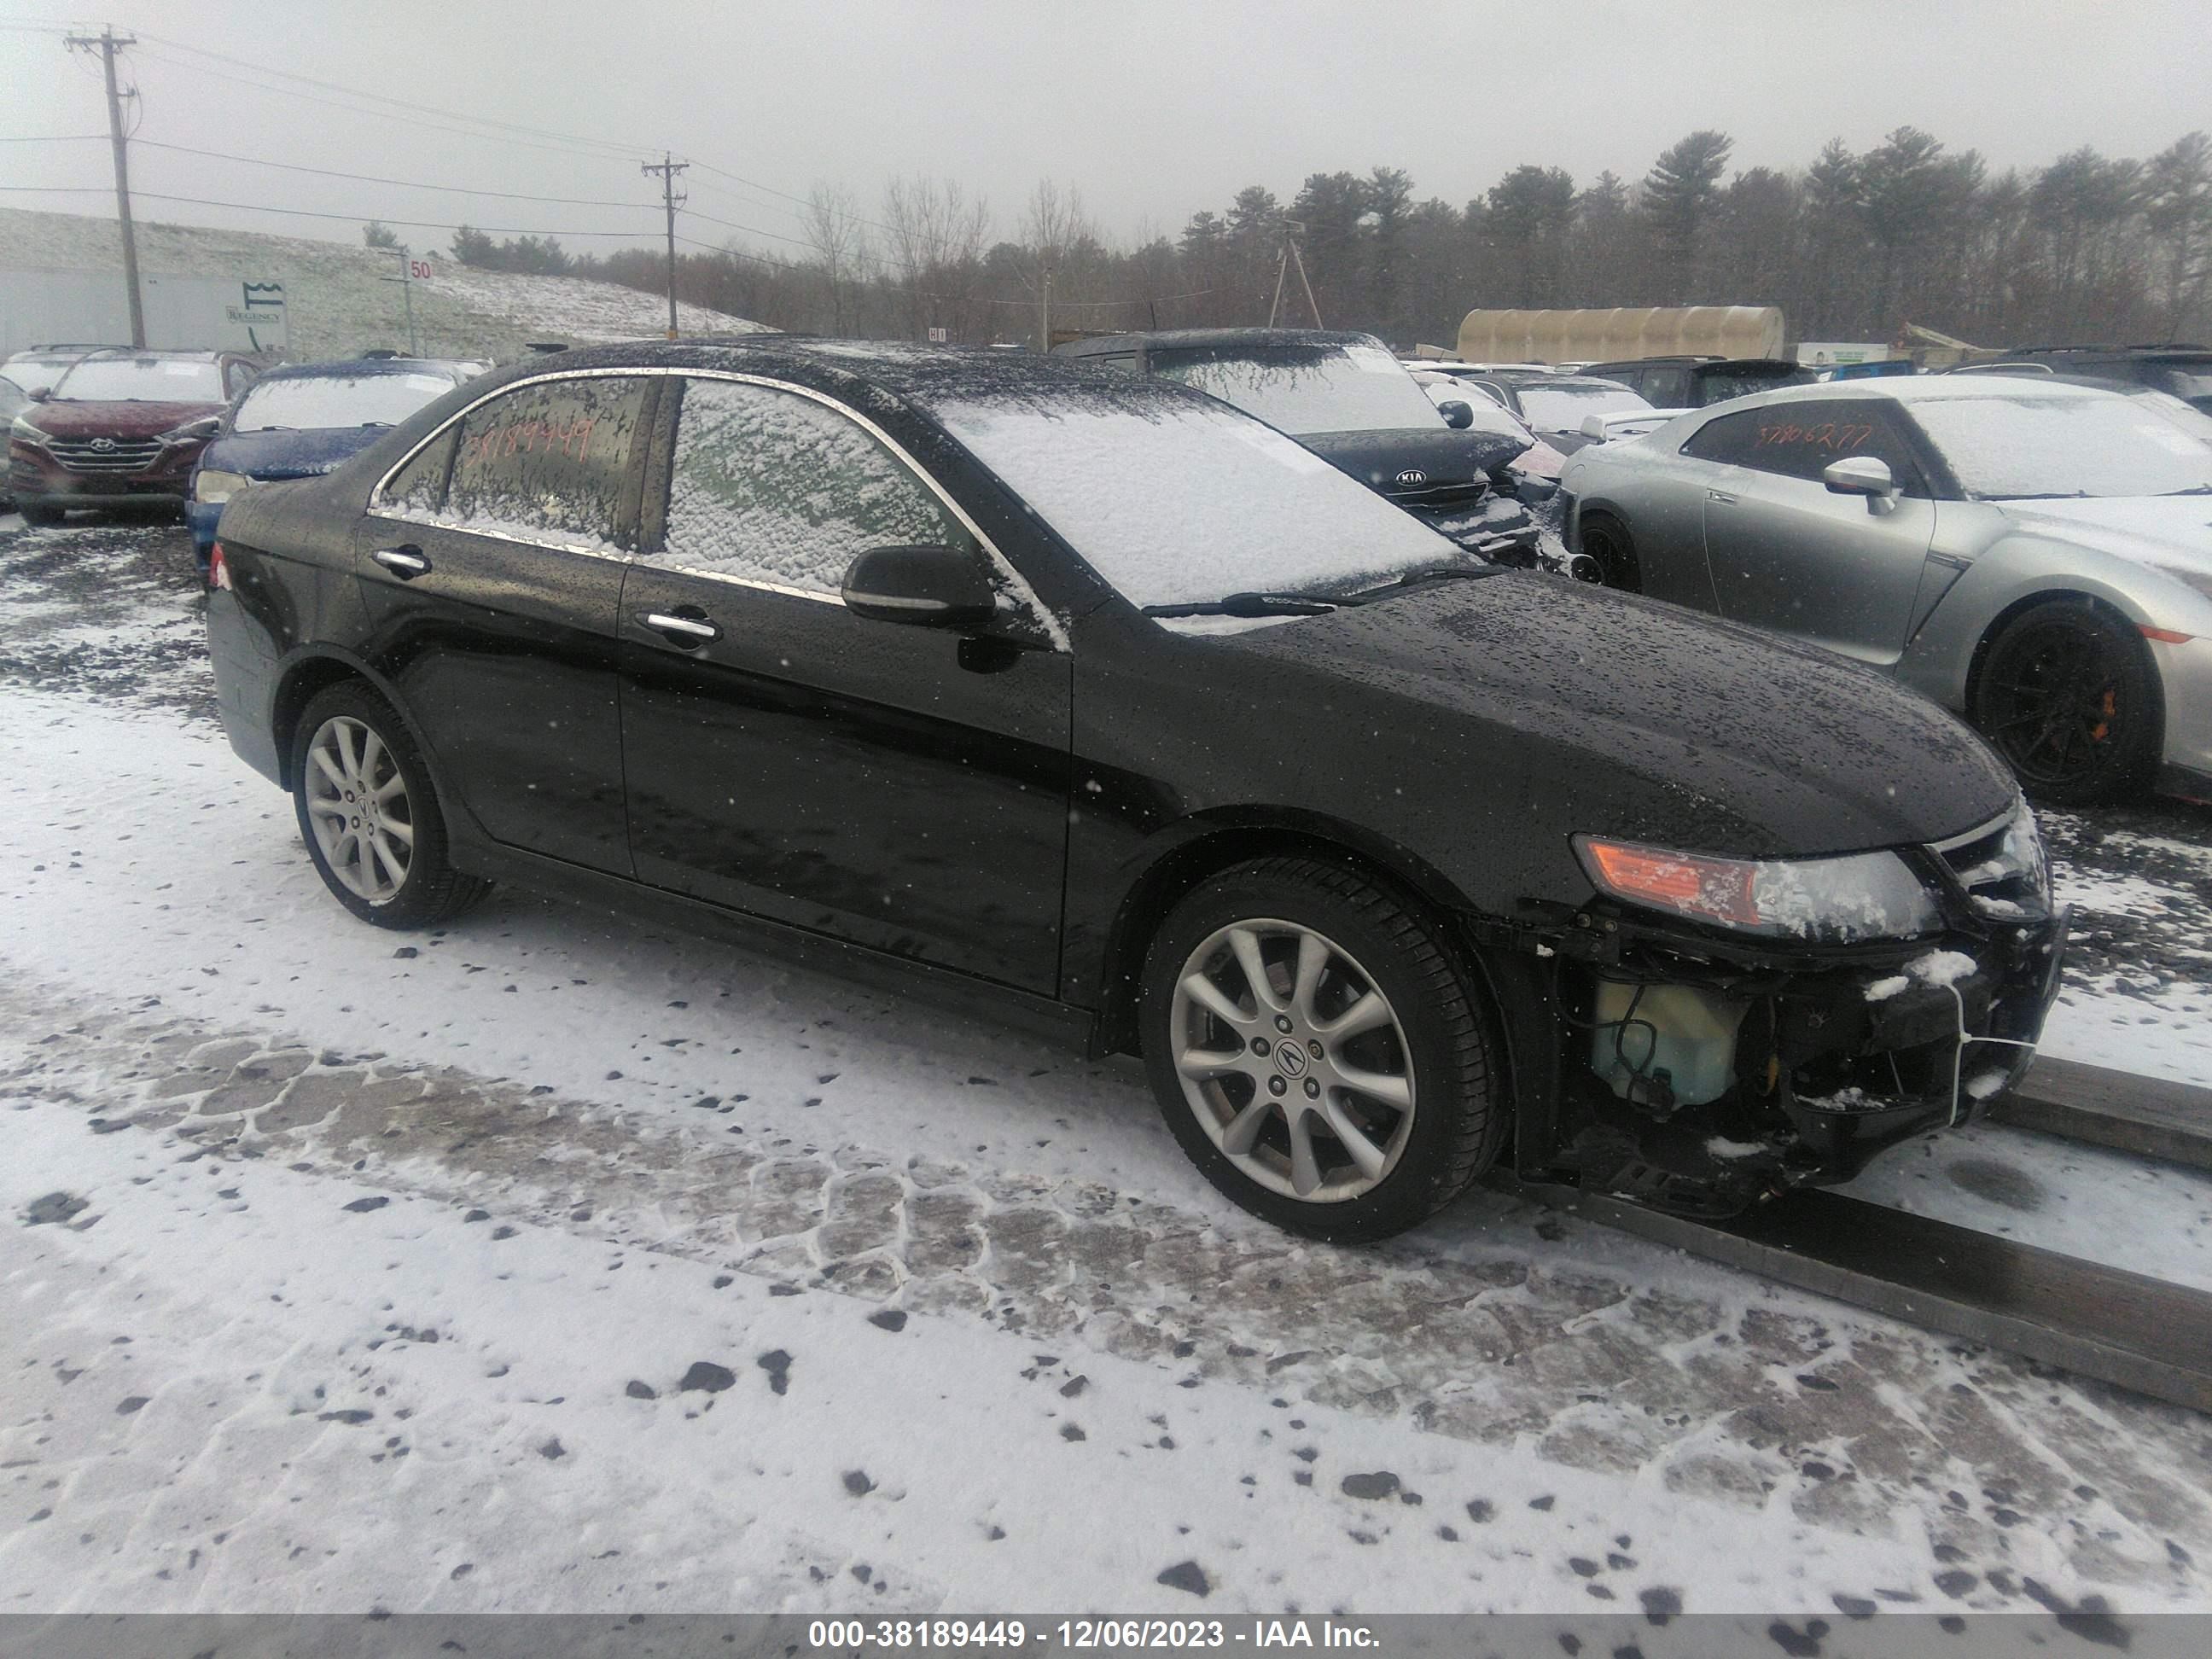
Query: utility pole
[
  {"x": 1291, "y": 240},
  {"x": 406, "y": 281},
  {"x": 107, "y": 43},
  {"x": 668, "y": 166},
  {"x": 1044, "y": 311}
]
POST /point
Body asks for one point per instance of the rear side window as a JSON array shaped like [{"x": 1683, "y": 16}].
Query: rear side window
[
  {"x": 548, "y": 461},
  {"x": 1798, "y": 441},
  {"x": 768, "y": 486},
  {"x": 420, "y": 486}
]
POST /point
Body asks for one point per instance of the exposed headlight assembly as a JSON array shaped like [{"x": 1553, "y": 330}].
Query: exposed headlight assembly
[
  {"x": 24, "y": 432},
  {"x": 193, "y": 431},
  {"x": 1860, "y": 896},
  {"x": 213, "y": 484}
]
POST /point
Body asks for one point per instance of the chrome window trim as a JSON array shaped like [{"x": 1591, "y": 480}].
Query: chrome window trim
[{"x": 1019, "y": 584}]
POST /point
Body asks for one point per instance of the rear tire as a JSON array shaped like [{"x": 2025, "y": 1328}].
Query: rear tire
[
  {"x": 1359, "y": 1092},
  {"x": 2068, "y": 696},
  {"x": 369, "y": 815},
  {"x": 1605, "y": 540}
]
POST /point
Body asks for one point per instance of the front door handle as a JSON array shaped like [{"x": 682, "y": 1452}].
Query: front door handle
[
  {"x": 405, "y": 562},
  {"x": 689, "y": 632},
  {"x": 1722, "y": 496}
]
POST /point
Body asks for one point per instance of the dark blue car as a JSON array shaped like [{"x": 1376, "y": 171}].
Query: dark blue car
[{"x": 301, "y": 420}]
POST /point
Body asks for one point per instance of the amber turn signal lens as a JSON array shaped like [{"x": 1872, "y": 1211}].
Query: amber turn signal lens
[{"x": 1718, "y": 888}]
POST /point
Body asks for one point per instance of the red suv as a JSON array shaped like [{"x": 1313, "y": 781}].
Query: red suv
[{"x": 121, "y": 425}]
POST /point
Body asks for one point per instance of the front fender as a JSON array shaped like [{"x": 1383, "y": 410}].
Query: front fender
[{"x": 1939, "y": 659}]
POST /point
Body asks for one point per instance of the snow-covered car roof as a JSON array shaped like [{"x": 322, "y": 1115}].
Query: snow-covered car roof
[{"x": 1936, "y": 388}]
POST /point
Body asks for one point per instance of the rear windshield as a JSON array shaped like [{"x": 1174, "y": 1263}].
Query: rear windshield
[
  {"x": 1718, "y": 385},
  {"x": 1299, "y": 386},
  {"x": 328, "y": 400},
  {"x": 142, "y": 379},
  {"x": 1562, "y": 408},
  {"x": 2024, "y": 446}
]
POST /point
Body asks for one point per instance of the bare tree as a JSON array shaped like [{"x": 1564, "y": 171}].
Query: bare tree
[
  {"x": 840, "y": 240},
  {"x": 2178, "y": 201},
  {"x": 1054, "y": 224},
  {"x": 937, "y": 236}
]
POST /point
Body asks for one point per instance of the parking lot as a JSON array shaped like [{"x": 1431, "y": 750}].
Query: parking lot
[{"x": 551, "y": 1261}]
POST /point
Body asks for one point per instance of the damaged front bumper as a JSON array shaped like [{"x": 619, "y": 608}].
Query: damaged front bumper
[{"x": 1833, "y": 1055}]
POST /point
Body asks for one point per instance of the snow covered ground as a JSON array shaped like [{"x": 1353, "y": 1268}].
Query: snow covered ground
[
  {"x": 550, "y": 1262},
  {"x": 343, "y": 301}
]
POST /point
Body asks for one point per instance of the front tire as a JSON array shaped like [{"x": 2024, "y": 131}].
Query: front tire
[
  {"x": 2068, "y": 696},
  {"x": 369, "y": 815},
  {"x": 1318, "y": 1049},
  {"x": 45, "y": 517}
]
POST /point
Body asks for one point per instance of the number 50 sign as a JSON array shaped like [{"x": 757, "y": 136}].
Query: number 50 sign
[{"x": 419, "y": 269}]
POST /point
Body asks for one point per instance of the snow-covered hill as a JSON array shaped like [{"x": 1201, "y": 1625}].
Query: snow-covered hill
[{"x": 343, "y": 301}]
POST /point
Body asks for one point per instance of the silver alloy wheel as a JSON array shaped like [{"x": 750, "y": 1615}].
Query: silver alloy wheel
[
  {"x": 1293, "y": 1061},
  {"x": 358, "y": 807}
]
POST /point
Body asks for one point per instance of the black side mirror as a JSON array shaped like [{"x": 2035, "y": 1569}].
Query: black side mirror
[
  {"x": 1457, "y": 416},
  {"x": 927, "y": 586}
]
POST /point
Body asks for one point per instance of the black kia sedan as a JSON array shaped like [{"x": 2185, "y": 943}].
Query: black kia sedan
[{"x": 1092, "y": 699}]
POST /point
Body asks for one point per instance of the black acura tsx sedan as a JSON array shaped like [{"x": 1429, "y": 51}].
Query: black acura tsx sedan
[{"x": 1099, "y": 701}]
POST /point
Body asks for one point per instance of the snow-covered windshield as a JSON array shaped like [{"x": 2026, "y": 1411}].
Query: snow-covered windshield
[
  {"x": 1300, "y": 385},
  {"x": 1174, "y": 500},
  {"x": 142, "y": 379},
  {"x": 1564, "y": 408},
  {"x": 305, "y": 401},
  {"x": 2026, "y": 445},
  {"x": 32, "y": 373}
]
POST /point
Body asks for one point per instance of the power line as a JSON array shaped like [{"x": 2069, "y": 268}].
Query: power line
[
  {"x": 624, "y": 151},
  {"x": 309, "y": 212},
  {"x": 721, "y": 173},
  {"x": 750, "y": 230},
  {"x": 352, "y": 109},
  {"x": 404, "y": 183},
  {"x": 43, "y": 138}
]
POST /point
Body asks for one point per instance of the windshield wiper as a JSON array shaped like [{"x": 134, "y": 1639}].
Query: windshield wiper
[
  {"x": 2193, "y": 489},
  {"x": 1436, "y": 573},
  {"x": 2047, "y": 495},
  {"x": 1248, "y": 604}
]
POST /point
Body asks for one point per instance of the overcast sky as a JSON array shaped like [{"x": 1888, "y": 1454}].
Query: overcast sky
[{"x": 1151, "y": 110}]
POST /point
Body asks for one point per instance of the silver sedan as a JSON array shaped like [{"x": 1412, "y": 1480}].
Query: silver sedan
[{"x": 2036, "y": 557}]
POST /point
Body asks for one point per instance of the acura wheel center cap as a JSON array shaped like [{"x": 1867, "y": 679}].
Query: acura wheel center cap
[{"x": 1291, "y": 1059}]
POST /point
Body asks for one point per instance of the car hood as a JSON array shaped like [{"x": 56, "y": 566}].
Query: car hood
[
  {"x": 116, "y": 420},
  {"x": 2174, "y": 531},
  {"x": 1659, "y": 725},
  {"x": 1449, "y": 457},
  {"x": 298, "y": 454}
]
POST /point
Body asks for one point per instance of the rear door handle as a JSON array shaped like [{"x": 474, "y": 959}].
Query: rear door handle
[
  {"x": 405, "y": 562},
  {"x": 1722, "y": 496},
  {"x": 688, "y": 632}
]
